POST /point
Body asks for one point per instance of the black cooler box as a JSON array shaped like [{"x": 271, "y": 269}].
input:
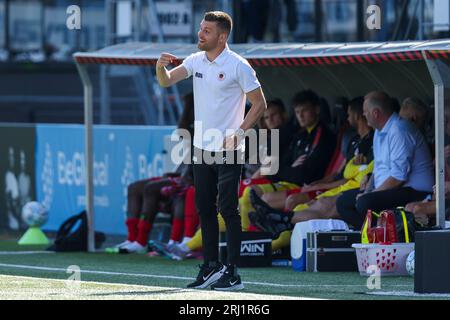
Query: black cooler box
[
  {"x": 331, "y": 251},
  {"x": 256, "y": 249}
]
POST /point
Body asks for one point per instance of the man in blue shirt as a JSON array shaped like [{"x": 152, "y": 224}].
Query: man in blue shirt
[{"x": 403, "y": 169}]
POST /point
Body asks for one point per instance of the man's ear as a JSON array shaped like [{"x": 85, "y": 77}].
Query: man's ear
[
  {"x": 223, "y": 37},
  {"x": 376, "y": 112}
]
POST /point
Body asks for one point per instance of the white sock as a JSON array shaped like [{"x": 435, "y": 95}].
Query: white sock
[
  {"x": 137, "y": 245},
  {"x": 171, "y": 242},
  {"x": 184, "y": 247},
  {"x": 186, "y": 240}
]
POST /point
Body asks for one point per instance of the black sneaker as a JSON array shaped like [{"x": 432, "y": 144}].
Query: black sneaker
[
  {"x": 260, "y": 221},
  {"x": 259, "y": 204},
  {"x": 207, "y": 276},
  {"x": 266, "y": 223},
  {"x": 228, "y": 282}
]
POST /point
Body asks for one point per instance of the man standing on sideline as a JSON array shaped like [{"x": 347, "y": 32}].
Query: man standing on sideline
[{"x": 222, "y": 80}]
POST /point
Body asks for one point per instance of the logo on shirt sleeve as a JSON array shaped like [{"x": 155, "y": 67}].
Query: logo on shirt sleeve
[{"x": 199, "y": 75}]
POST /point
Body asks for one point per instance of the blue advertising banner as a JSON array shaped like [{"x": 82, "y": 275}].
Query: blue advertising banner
[{"x": 122, "y": 154}]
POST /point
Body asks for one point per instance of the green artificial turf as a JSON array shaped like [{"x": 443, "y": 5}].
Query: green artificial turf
[{"x": 160, "y": 272}]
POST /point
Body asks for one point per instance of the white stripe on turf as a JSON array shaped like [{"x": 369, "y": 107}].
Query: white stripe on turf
[
  {"x": 409, "y": 294},
  {"x": 17, "y": 266},
  {"x": 24, "y": 252}
]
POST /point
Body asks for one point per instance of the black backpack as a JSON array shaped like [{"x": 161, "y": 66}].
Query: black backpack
[{"x": 72, "y": 235}]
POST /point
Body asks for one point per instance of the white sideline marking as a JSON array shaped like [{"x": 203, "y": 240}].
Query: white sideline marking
[
  {"x": 17, "y": 266},
  {"x": 409, "y": 294},
  {"x": 24, "y": 252}
]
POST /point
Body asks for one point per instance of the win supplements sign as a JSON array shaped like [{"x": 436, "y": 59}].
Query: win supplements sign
[{"x": 122, "y": 154}]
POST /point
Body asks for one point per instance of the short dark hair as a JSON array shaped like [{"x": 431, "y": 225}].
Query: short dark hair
[
  {"x": 306, "y": 97},
  {"x": 356, "y": 105},
  {"x": 223, "y": 20},
  {"x": 276, "y": 103}
]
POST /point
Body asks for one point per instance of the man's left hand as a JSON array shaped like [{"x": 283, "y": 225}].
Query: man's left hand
[{"x": 230, "y": 142}]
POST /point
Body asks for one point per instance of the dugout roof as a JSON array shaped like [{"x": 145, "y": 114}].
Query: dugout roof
[{"x": 333, "y": 69}]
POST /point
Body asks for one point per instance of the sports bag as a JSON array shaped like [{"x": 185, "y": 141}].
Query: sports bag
[
  {"x": 72, "y": 235},
  {"x": 391, "y": 226}
]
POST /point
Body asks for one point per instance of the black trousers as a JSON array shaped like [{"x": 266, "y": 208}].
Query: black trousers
[
  {"x": 216, "y": 190},
  {"x": 354, "y": 211}
]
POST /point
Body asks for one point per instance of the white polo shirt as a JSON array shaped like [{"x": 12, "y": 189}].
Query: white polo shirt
[{"x": 219, "y": 95}]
